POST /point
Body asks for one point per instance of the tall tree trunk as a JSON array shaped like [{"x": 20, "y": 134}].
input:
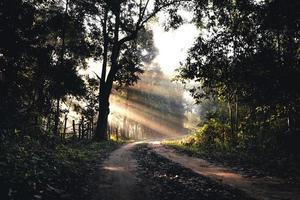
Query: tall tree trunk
[
  {"x": 74, "y": 129},
  {"x": 62, "y": 53},
  {"x": 101, "y": 126},
  {"x": 79, "y": 130},
  {"x": 106, "y": 86},
  {"x": 101, "y": 129},
  {"x": 65, "y": 127}
]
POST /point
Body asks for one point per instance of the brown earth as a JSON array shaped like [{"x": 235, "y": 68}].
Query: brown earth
[
  {"x": 119, "y": 177},
  {"x": 262, "y": 188}
]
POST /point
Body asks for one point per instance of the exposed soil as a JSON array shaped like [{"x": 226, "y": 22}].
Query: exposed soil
[
  {"x": 118, "y": 179},
  {"x": 264, "y": 188},
  {"x": 170, "y": 181},
  {"x": 151, "y": 171}
]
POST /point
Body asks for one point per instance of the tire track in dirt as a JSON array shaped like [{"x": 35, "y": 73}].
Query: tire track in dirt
[{"x": 264, "y": 188}]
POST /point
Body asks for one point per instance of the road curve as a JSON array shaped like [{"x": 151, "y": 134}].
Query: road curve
[{"x": 265, "y": 188}]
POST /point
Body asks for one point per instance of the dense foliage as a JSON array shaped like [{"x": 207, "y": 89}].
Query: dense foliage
[
  {"x": 247, "y": 59},
  {"x": 45, "y": 49},
  {"x": 243, "y": 70},
  {"x": 43, "y": 46},
  {"x": 48, "y": 97}
]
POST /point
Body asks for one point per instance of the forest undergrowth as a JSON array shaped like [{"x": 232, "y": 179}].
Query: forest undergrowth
[
  {"x": 251, "y": 159},
  {"x": 47, "y": 169}
]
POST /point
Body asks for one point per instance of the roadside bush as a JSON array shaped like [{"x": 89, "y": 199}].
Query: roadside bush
[{"x": 212, "y": 135}]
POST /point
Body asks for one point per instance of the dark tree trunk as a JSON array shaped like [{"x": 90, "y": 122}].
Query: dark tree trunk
[
  {"x": 79, "y": 131},
  {"x": 101, "y": 129},
  {"x": 65, "y": 127},
  {"x": 106, "y": 86},
  {"x": 74, "y": 129},
  {"x": 101, "y": 126},
  {"x": 63, "y": 46}
]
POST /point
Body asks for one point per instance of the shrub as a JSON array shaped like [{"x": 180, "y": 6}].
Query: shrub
[{"x": 213, "y": 134}]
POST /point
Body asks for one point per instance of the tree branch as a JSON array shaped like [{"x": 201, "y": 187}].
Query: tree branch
[{"x": 157, "y": 11}]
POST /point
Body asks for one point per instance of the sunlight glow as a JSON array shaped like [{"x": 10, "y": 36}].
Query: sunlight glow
[
  {"x": 136, "y": 107},
  {"x": 172, "y": 49},
  {"x": 144, "y": 120},
  {"x": 173, "y": 46}
]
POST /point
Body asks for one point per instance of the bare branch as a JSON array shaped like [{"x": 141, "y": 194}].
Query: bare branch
[
  {"x": 97, "y": 76},
  {"x": 141, "y": 22},
  {"x": 142, "y": 13},
  {"x": 158, "y": 10},
  {"x": 140, "y": 7}
]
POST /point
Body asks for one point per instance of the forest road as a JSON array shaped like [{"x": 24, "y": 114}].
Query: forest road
[
  {"x": 119, "y": 181},
  {"x": 118, "y": 178},
  {"x": 264, "y": 188}
]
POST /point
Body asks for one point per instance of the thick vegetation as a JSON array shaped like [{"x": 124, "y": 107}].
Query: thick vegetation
[
  {"x": 270, "y": 156},
  {"x": 247, "y": 63},
  {"x": 45, "y": 49},
  {"x": 46, "y": 169},
  {"x": 49, "y": 100}
]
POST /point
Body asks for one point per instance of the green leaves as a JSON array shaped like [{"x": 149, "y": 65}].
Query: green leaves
[{"x": 29, "y": 170}]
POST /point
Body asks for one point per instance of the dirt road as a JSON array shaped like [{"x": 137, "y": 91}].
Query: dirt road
[
  {"x": 119, "y": 178},
  {"x": 264, "y": 188}
]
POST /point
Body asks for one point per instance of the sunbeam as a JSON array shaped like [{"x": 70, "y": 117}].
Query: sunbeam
[{"x": 153, "y": 108}]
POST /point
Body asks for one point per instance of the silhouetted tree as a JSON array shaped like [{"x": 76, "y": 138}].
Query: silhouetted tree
[{"x": 122, "y": 48}]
